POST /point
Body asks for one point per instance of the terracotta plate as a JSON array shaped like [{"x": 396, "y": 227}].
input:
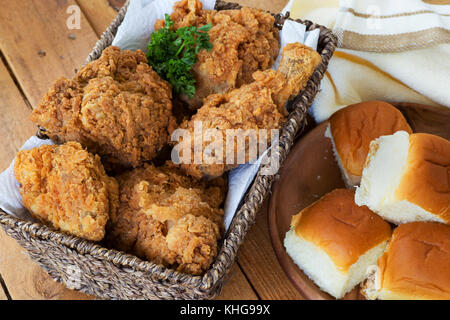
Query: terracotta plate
[{"x": 310, "y": 171}]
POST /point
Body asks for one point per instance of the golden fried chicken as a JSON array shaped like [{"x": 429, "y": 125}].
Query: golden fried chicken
[
  {"x": 252, "y": 107},
  {"x": 168, "y": 218},
  {"x": 66, "y": 187},
  {"x": 243, "y": 41},
  {"x": 116, "y": 106},
  {"x": 297, "y": 64}
]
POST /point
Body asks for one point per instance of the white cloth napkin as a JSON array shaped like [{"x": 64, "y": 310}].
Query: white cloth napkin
[
  {"x": 396, "y": 51},
  {"x": 134, "y": 34}
]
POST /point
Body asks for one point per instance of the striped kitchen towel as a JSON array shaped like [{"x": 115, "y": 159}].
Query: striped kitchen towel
[{"x": 396, "y": 51}]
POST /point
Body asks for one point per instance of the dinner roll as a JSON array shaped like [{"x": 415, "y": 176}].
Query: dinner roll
[
  {"x": 406, "y": 178},
  {"x": 415, "y": 265},
  {"x": 334, "y": 241},
  {"x": 352, "y": 128}
]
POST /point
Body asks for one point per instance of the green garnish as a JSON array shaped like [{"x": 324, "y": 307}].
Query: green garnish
[{"x": 173, "y": 53}]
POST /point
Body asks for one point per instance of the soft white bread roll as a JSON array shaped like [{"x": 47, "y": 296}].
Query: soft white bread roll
[
  {"x": 351, "y": 130},
  {"x": 415, "y": 266},
  {"x": 406, "y": 178},
  {"x": 334, "y": 241}
]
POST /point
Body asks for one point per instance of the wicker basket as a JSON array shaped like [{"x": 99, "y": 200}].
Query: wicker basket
[{"x": 106, "y": 273}]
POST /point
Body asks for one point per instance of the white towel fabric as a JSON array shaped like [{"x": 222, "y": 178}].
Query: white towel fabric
[
  {"x": 387, "y": 17},
  {"x": 396, "y": 51}
]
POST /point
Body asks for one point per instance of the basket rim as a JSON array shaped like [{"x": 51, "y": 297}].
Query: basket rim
[{"x": 256, "y": 193}]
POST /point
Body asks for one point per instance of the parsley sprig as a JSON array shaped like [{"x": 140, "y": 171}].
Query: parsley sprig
[{"x": 173, "y": 53}]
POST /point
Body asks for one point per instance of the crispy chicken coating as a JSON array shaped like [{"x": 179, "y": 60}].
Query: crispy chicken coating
[
  {"x": 116, "y": 106},
  {"x": 297, "y": 64},
  {"x": 168, "y": 218},
  {"x": 66, "y": 187},
  {"x": 252, "y": 107},
  {"x": 243, "y": 41}
]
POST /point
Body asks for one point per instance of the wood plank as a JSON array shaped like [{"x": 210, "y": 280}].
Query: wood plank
[
  {"x": 237, "y": 287},
  {"x": 15, "y": 128},
  {"x": 100, "y": 13},
  {"x": 39, "y": 46},
  {"x": 260, "y": 265}
]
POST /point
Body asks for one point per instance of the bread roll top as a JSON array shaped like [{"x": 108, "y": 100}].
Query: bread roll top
[
  {"x": 354, "y": 127},
  {"x": 338, "y": 226},
  {"x": 416, "y": 264}
]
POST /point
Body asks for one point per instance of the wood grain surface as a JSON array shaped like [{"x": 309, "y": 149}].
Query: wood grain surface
[
  {"x": 237, "y": 287},
  {"x": 38, "y": 45},
  {"x": 423, "y": 118},
  {"x": 100, "y": 13},
  {"x": 15, "y": 127},
  {"x": 259, "y": 263},
  {"x": 36, "y": 48}
]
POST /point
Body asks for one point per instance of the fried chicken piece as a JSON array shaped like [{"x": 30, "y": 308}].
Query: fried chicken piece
[
  {"x": 116, "y": 106},
  {"x": 168, "y": 218},
  {"x": 66, "y": 187},
  {"x": 243, "y": 41},
  {"x": 187, "y": 13},
  {"x": 297, "y": 64},
  {"x": 252, "y": 107}
]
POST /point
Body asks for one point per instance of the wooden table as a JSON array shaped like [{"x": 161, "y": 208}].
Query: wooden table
[{"x": 37, "y": 47}]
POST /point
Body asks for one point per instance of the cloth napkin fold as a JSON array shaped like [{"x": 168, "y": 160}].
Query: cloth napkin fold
[{"x": 396, "y": 51}]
